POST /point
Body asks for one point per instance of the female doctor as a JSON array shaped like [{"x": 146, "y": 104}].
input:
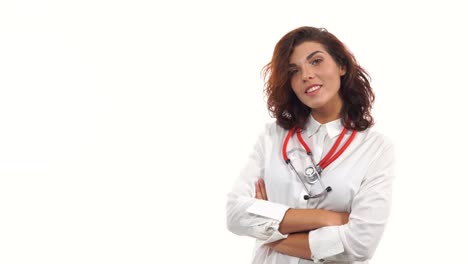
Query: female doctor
[{"x": 317, "y": 186}]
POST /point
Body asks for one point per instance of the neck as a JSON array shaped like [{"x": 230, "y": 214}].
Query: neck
[
  {"x": 323, "y": 119},
  {"x": 327, "y": 113}
]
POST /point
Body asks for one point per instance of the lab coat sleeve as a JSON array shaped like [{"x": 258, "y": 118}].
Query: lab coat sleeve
[
  {"x": 358, "y": 239},
  {"x": 246, "y": 215}
]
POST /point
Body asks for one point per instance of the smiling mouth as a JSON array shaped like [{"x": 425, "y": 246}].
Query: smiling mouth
[{"x": 313, "y": 88}]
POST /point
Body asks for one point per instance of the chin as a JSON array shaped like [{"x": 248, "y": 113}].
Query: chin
[{"x": 315, "y": 105}]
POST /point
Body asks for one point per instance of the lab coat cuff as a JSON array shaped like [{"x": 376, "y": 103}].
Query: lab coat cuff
[
  {"x": 268, "y": 209},
  {"x": 325, "y": 242},
  {"x": 275, "y": 237}
]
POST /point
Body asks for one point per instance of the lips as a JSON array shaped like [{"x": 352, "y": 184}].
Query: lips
[{"x": 312, "y": 88}]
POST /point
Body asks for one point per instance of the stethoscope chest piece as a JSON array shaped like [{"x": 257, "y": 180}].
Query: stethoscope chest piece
[{"x": 311, "y": 175}]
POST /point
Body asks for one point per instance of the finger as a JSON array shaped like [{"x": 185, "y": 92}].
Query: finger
[
  {"x": 258, "y": 192},
  {"x": 261, "y": 183}
]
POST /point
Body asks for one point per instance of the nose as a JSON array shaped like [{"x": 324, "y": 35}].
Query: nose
[{"x": 307, "y": 73}]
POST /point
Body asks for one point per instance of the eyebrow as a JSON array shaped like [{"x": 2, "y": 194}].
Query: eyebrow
[{"x": 308, "y": 57}]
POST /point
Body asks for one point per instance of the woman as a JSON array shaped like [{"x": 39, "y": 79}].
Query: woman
[{"x": 317, "y": 187}]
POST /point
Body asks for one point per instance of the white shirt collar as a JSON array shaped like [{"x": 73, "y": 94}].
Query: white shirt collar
[{"x": 333, "y": 128}]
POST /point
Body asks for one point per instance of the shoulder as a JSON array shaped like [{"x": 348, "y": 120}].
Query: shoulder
[
  {"x": 272, "y": 134},
  {"x": 273, "y": 130},
  {"x": 376, "y": 137}
]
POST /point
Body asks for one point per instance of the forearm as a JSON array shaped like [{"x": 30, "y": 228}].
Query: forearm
[
  {"x": 302, "y": 220},
  {"x": 296, "y": 245}
]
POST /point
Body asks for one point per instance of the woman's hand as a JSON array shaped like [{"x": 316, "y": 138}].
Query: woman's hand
[
  {"x": 296, "y": 245},
  {"x": 260, "y": 190},
  {"x": 303, "y": 220}
]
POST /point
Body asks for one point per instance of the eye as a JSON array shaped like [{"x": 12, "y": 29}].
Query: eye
[
  {"x": 316, "y": 61},
  {"x": 292, "y": 72}
]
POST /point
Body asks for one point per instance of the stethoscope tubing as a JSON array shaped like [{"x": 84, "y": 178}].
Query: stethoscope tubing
[{"x": 327, "y": 160}]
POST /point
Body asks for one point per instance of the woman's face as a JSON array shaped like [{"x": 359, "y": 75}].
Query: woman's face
[{"x": 315, "y": 77}]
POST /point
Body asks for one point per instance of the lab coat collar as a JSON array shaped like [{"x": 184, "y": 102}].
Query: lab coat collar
[{"x": 333, "y": 128}]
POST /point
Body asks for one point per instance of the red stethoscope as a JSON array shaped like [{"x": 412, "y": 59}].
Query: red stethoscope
[{"x": 312, "y": 173}]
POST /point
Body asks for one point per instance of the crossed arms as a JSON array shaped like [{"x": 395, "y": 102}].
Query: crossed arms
[
  {"x": 297, "y": 223},
  {"x": 296, "y": 232}
]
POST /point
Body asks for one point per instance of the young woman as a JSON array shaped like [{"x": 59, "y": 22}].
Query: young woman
[{"x": 317, "y": 186}]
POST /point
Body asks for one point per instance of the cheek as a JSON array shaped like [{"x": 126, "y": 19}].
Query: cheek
[
  {"x": 334, "y": 77},
  {"x": 295, "y": 85}
]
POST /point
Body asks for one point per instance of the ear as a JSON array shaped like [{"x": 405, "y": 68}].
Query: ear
[{"x": 342, "y": 70}]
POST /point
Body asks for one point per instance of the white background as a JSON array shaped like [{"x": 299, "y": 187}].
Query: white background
[{"x": 124, "y": 123}]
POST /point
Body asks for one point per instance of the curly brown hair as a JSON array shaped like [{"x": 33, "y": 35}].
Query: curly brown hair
[{"x": 355, "y": 89}]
